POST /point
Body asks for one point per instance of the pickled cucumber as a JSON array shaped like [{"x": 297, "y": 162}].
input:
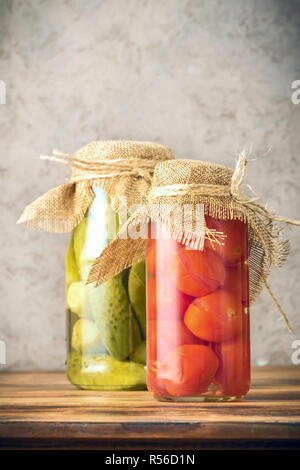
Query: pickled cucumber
[
  {"x": 105, "y": 330},
  {"x": 84, "y": 269},
  {"x": 79, "y": 239},
  {"x": 112, "y": 222},
  {"x": 76, "y": 298},
  {"x": 139, "y": 354},
  {"x": 110, "y": 309},
  {"x": 137, "y": 293},
  {"x": 85, "y": 336},
  {"x": 134, "y": 330},
  {"x": 101, "y": 225},
  {"x": 104, "y": 372},
  {"x": 72, "y": 272}
]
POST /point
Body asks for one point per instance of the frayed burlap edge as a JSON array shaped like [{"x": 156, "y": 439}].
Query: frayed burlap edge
[{"x": 123, "y": 168}]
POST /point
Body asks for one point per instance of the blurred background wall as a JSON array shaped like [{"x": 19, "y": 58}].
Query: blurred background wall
[{"x": 203, "y": 77}]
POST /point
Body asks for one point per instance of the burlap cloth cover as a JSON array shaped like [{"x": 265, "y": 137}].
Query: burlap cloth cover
[
  {"x": 123, "y": 168},
  {"x": 219, "y": 189}
]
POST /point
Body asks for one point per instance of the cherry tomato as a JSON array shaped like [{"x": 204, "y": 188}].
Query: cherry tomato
[
  {"x": 196, "y": 272},
  {"x": 233, "y": 373},
  {"x": 215, "y": 317},
  {"x": 154, "y": 384},
  {"x": 164, "y": 335},
  {"x": 237, "y": 282},
  {"x": 188, "y": 370},
  {"x": 164, "y": 300},
  {"x": 235, "y": 245},
  {"x": 158, "y": 254}
]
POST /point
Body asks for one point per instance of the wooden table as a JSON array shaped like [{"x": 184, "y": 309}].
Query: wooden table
[{"x": 42, "y": 410}]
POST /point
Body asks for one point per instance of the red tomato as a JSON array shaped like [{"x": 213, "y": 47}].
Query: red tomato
[
  {"x": 215, "y": 317},
  {"x": 235, "y": 247},
  {"x": 164, "y": 300},
  {"x": 164, "y": 335},
  {"x": 158, "y": 255},
  {"x": 154, "y": 384},
  {"x": 196, "y": 272},
  {"x": 237, "y": 282},
  {"x": 233, "y": 373},
  {"x": 188, "y": 370}
]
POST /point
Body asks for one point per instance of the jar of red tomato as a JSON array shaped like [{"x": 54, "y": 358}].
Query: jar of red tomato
[{"x": 198, "y": 316}]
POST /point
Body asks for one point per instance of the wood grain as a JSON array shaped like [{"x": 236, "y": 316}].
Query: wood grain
[{"x": 41, "y": 409}]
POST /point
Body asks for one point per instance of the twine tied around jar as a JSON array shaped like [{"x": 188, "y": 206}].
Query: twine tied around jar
[
  {"x": 219, "y": 190},
  {"x": 234, "y": 191},
  {"x": 123, "y": 168},
  {"x": 104, "y": 168}
]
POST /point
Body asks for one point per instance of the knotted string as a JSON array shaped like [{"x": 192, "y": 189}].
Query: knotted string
[
  {"x": 233, "y": 191},
  {"x": 89, "y": 170}
]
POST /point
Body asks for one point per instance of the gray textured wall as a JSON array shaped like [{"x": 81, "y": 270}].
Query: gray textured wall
[{"x": 203, "y": 77}]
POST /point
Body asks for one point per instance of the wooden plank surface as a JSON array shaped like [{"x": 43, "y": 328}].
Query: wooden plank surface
[{"x": 41, "y": 409}]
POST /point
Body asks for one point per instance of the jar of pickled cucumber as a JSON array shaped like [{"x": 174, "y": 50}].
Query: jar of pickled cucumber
[
  {"x": 106, "y": 324},
  {"x": 198, "y": 316}
]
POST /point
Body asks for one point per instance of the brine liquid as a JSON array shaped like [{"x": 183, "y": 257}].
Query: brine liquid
[
  {"x": 106, "y": 326},
  {"x": 198, "y": 316}
]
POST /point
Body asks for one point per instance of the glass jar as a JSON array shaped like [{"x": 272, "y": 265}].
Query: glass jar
[
  {"x": 198, "y": 342},
  {"x": 106, "y": 347}
]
